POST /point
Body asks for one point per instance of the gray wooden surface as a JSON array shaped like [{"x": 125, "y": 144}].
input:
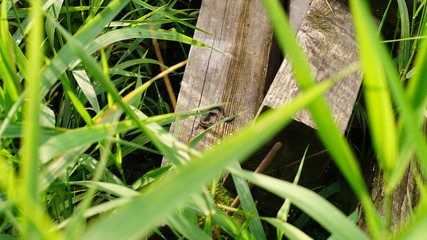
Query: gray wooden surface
[
  {"x": 235, "y": 74},
  {"x": 327, "y": 39}
]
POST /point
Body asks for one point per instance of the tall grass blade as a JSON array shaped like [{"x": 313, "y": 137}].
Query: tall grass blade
[
  {"x": 417, "y": 85},
  {"x": 11, "y": 86},
  {"x": 283, "y": 212},
  {"x": 290, "y": 231},
  {"x": 78, "y": 105},
  {"x": 7, "y": 128},
  {"x": 376, "y": 90},
  {"x": 248, "y": 205},
  {"x": 311, "y": 203},
  {"x": 231, "y": 227},
  {"x": 167, "y": 15},
  {"x": 31, "y": 141},
  {"x": 86, "y": 87},
  {"x": 114, "y": 189},
  {"x": 35, "y": 223},
  {"x": 405, "y": 32},
  {"x": 187, "y": 228}
]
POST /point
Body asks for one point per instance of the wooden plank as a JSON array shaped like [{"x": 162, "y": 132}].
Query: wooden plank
[
  {"x": 297, "y": 11},
  {"x": 235, "y": 74},
  {"x": 327, "y": 39}
]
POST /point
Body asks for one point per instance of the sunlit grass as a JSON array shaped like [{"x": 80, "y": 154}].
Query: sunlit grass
[{"x": 81, "y": 90}]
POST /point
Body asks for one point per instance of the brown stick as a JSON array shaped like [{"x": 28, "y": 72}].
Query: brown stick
[{"x": 166, "y": 77}]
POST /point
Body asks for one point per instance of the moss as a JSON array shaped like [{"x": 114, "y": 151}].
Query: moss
[
  {"x": 321, "y": 20},
  {"x": 223, "y": 196},
  {"x": 374, "y": 181},
  {"x": 226, "y": 198}
]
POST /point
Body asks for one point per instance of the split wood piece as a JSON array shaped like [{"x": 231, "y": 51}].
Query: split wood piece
[
  {"x": 327, "y": 38},
  {"x": 234, "y": 71}
]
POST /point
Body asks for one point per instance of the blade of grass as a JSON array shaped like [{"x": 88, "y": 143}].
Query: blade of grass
[
  {"x": 248, "y": 204},
  {"x": 6, "y": 126},
  {"x": 31, "y": 140},
  {"x": 141, "y": 32},
  {"x": 8, "y": 180},
  {"x": 47, "y": 117},
  {"x": 114, "y": 189},
  {"x": 283, "y": 212},
  {"x": 49, "y": 28},
  {"x": 59, "y": 165},
  {"x": 317, "y": 207},
  {"x": 91, "y": 164},
  {"x": 377, "y": 95},
  {"x": 230, "y": 226},
  {"x": 86, "y": 87},
  {"x": 405, "y": 46},
  {"x": 167, "y": 15},
  {"x": 35, "y": 222},
  {"x": 325, "y": 193},
  {"x": 187, "y": 228},
  {"x": 78, "y": 105},
  {"x": 384, "y": 16},
  {"x": 290, "y": 231},
  {"x": 417, "y": 84},
  {"x": 7, "y": 62}
]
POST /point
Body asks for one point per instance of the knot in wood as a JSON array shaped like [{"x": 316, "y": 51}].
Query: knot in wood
[{"x": 214, "y": 115}]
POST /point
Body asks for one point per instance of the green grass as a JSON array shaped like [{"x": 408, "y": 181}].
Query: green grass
[{"x": 82, "y": 90}]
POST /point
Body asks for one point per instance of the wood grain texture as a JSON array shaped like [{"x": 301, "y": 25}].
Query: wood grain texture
[
  {"x": 235, "y": 74},
  {"x": 327, "y": 39}
]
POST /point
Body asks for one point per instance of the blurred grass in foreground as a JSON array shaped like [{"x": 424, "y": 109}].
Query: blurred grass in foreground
[{"x": 76, "y": 89}]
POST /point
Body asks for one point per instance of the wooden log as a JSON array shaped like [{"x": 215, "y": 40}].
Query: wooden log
[
  {"x": 327, "y": 38},
  {"x": 235, "y": 71}
]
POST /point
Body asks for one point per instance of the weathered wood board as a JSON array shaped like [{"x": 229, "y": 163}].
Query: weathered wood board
[
  {"x": 235, "y": 74},
  {"x": 327, "y": 38}
]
